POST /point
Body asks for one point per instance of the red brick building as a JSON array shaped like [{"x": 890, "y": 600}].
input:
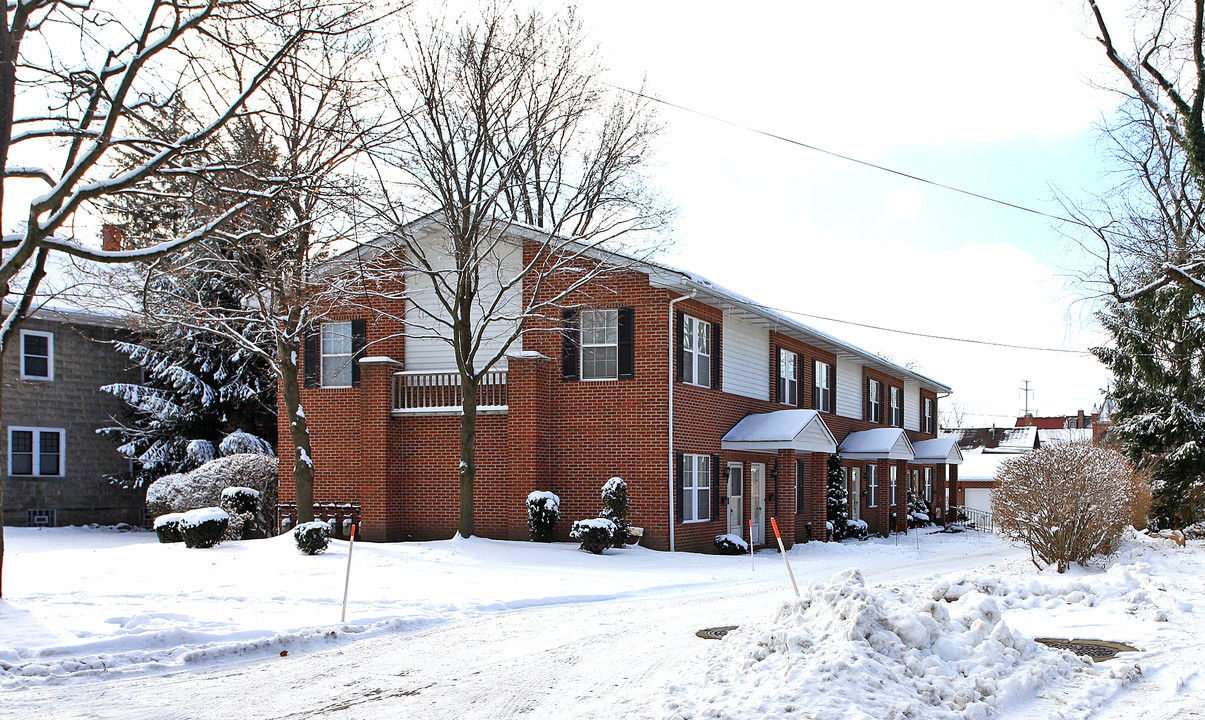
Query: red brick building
[{"x": 717, "y": 411}]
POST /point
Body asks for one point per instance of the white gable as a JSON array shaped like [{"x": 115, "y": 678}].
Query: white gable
[
  {"x": 877, "y": 444},
  {"x": 800, "y": 430}
]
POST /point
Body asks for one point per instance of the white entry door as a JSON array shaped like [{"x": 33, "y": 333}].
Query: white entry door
[
  {"x": 853, "y": 493},
  {"x": 757, "y": 503},
  {"x": 736, "y": 505}
]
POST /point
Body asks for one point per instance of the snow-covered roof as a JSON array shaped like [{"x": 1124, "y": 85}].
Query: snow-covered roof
[
  {"x": 1015, "y": 440},
  {"x": 799, "y": 430},
  {"x": 978, "y": 466},
  {"x": 937, "y": 450},
  {"x": 1064, "y": 436},
  {"x": 82, "y": 292},
  {"x": 877, "y": 444}
]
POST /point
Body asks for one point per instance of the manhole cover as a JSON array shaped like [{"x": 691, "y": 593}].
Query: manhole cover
[
  {"x": 1098, "y": 650},
  {"x": 715, "y": 633}
]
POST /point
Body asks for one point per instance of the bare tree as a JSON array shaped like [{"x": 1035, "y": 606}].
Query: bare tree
[
  {"x": 79, "y": 111},
  {"x": 507, "y": 133}
]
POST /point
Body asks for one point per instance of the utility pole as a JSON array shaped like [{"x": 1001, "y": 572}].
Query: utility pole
[{"x": 1026, "y": 391}]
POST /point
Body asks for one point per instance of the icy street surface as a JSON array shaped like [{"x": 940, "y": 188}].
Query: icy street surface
[{"x": 102, "y": 624}]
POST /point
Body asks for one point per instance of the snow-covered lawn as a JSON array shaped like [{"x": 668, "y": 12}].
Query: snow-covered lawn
[{"x": 943, "y": 631}]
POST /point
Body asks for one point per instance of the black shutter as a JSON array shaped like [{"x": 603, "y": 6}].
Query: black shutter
[
  {"x": 311, "y": 359},
  {"x": 679, "y": 352},
  {"x": 717, "y": 356},
  {"x": 799, "y": 376},
  {"x": 678, "y": 460},
  {"x": 359, "y": 340},
  {"x": 832, "y": 388},
  {"x": 776, "y": 363},
  {"x": 627, "y": 343},
  {"x": 571, "y": 340},
  {"x": 715, "y": 485}
]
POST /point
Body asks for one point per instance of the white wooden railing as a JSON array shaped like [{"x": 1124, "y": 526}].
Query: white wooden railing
[{"x": 418, "y": 392}]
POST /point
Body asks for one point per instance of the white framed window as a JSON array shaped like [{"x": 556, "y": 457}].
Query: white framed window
[
  {"x": 696, "y": 488},
  {"x": 927, "y": 416},
  {"x": 872, "y": 485},
  {"x": 600, "y": 344},
  {"x": 788, "y": 377},
  {"x": 895, "y": 406},
  {"x": 37, "y": 355},
  {"x": 894, "y": 475},
  {"x": 822, "y": 386},
  {"x": 928, "y": 485},
  {"x": 696, "y": 351},
  {"x": 874, "y": 401},
  {"x": 36, "y": 452},
  {"x": 914, "y": 483},
  {"x": 336, "y": 349}
]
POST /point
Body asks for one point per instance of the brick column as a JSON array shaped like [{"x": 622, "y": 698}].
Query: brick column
[
  {"x": 528, "y": 386},
  {"x": 379, "y": 480},
  {"x": 783, "y": 487}
]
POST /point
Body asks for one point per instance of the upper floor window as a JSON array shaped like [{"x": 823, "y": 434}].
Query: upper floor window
[
  {"x": 336, "y": 354},
  {"x": 874, "y": 401},
  {"x": 822, "y": 383},
  {"x": 696, "y": 488},
  {"x": 37, "y": 355},
  {"x": 788, "y": 377},
  {"x": 36, "y": 452},
  {"x": 928, "y": 423},
  {"x": 696, "y": 351},
  {"x": 895, "y": 404},
  {"x": 600, "y": 344}
]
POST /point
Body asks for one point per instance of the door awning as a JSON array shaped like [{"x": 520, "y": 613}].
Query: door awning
[
  {"x": 938, "y": 450},
  {"x": 798, "y": 430},
  {"x": 877, "y": 444}
]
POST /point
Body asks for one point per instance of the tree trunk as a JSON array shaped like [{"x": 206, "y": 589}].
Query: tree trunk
[
  {"x": 468, "y": 452},
  {"x": 299, "y": 431}
]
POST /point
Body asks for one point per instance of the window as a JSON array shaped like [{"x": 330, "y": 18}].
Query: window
[
  {"x": 822, "y": 398},
  {"x": 894, "y": 477},
  {"x": 336, "y": 354},
  {"x": 696, "y": 488},
  {"x": 927, "y": 424},
  {"x": 37, "y": 355},
  {"x": 600, "y": 344},
  {"x": 872, "y": 485},
  {"x": 928, "y": 485},
  {"x": 788, "y": 377},
  {"x": 696, "y": 351},
  {"x": 874, "y": 401},
  {"x": 35, "y": 452},
  {"x": 895, "y": 406}
]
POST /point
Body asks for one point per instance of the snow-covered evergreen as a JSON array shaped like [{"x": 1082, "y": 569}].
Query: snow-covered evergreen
[
  {"x": 838, "y": 502},
  {"x": 1158, "y": 395}
]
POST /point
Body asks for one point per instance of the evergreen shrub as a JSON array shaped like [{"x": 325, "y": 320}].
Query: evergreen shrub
[
  {"x": 731, "y": 545},
  {"x": 167, "y": 528},
  {"x": 204, "y": 527},
  {"x": 615, "y": 509},
  {"x": 596, "y": 534},
  {"x": 543, "y": 510},
  {"x": 312, "y": 537}
]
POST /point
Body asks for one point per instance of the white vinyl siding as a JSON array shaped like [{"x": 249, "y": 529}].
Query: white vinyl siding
[
  {"x": 746, "y": 359},
  {"x": 849, "y": 388},
  {"x": 911, "y": 406},
  {"x": 425, "y": 350}
]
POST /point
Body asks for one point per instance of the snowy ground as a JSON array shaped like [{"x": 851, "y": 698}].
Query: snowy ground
[{"x": 101, "y": 623}]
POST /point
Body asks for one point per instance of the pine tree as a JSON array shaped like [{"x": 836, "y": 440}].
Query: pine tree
[
  {"x": 1158, "y": 394},
  {"x": 838, "y": 500}
]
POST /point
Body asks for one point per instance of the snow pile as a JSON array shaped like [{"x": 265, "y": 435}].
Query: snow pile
[{"x": 904, "y": 654}]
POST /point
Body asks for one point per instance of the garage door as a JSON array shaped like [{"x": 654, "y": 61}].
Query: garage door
[{"x": 978, "y": 498}]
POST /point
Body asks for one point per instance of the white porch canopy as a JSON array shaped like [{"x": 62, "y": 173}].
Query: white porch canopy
[
  {"x": 798, "y": 430},
  {"x": 938, "y": 450},
  {"x": 877, "y": 444}
]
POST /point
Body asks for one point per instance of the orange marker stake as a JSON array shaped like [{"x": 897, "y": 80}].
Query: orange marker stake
[
  {"x": 347, "y": 578},
  {"x": 783, "y": 550},
  {"x": 751, "y": 565}
]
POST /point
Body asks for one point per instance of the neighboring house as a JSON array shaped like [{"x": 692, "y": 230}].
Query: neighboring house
[
  {"x": 54, "y": 462},
  {"x": 717, "y": 411},
  {"x": 1058, "y": 422}
]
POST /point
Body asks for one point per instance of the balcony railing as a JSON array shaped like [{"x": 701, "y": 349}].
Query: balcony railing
[{"x": 417, "y": 392}]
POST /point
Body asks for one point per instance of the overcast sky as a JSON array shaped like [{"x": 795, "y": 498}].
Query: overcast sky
[{"x": 996, "y": 98}]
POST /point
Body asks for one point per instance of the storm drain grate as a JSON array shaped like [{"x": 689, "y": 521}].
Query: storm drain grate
[
  {"x": 715, "y": 633},
  {"x": 1098, "y": 650}
]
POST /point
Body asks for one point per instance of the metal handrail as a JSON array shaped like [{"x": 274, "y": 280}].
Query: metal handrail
[{"x": 974, "y": 518}]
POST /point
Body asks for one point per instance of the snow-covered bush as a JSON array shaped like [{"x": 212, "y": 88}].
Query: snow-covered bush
[
  {"x": 856, "y": 529},
  {"x": 312, "y": 537},
  {"x": 918, "y": 512},
  {"x": 543, "y": 510},
  {"x": 167, "y": 528},
  {"x": 240, "y": 499},
  {"x": 197, "y": 453},
  {"x": 596, "y": 534},
  {"x": 615, "y": 509},
  {"x": 731, "y": 545},
  {"x": 242, "y": 504},
  {"x": 1067, "y": 502},
  {"x": 203, "y": 487},
  {"x": 204, "y": 527},
  {"x": 239, "y": 442},
  {"x": 837, "y": 499}
]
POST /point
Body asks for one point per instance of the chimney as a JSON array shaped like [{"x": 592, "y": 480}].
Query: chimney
[
  {"x": 1079, "y": 422},
  {"x": 112, "y": 238}
]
